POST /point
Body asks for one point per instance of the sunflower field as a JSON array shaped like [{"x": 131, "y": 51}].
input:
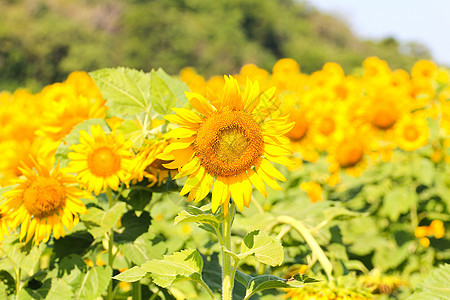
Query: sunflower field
[{"x": 121, "y": 184}]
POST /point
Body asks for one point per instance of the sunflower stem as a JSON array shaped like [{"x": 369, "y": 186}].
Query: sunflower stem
[
  {"x": 227, "y": 281},
  {"x": 110, "y": 245}
]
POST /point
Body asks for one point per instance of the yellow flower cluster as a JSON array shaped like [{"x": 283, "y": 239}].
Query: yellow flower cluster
[
  {"x": 36, "y": 123},
  {"x": 353, "y": 120},
  {"x": 436, "y": 229}
]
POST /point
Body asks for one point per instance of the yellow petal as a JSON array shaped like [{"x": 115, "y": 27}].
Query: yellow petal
[
  {"x": 269, "y": 169},
  {"x": 267, "y": 178},
  {"x": 199, "y": 103},
  {"x": 236, "y": 190},
  {"x": 257, "y": 182}
]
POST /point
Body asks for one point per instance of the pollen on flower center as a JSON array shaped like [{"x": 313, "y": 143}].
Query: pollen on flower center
[
  {"x": 231, "y": 145},
  {"x": 44, "y": 197},
  {"x": 228, "y": 143},
  {"x": 103, "y": 162}
]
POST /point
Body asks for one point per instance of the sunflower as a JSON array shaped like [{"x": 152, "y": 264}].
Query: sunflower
[
  {"x": 44, "y": 201},
  {"x": 326, "y": 291},
  {"x": 412, "y": 132},
  {"x": 349, "y": 153},
  {"x": 101, "y": 160},
  {"x": 146, "y": 165},
  {"x": 313, "y": 190},
  {"x": 4, "y": 221},
  {"x": 229, "y": 147}
]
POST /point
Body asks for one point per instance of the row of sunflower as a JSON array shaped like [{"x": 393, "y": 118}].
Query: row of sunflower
[{"x": 130, "y": 147}]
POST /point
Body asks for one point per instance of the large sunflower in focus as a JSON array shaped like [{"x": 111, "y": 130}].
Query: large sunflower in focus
[
  {"x": 101, "y": 160},
  {"x": 229, "y": 147},
  {"x": 44, "y": 201}
]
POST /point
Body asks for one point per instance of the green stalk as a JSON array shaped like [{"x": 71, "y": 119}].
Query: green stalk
[
  {"x": 110, "y": 294},
  {"x": 227, "y": 283},
  {"x": 312, "y": 243},
  {"x": 137, "y": 295}
]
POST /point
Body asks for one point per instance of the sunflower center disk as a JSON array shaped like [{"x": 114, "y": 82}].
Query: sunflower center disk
[
  {"x": 228, "y": 143},
  {"x": 104, "y": 162},
  {"x": 384, "y": 118},
  {"x": 349, "y": 155},
  {"x": 411, "y": 133},
  {"x": 327, "y": 126},
  {"x": 44, "y": 197},
  {"x": 300, "y": 128}
]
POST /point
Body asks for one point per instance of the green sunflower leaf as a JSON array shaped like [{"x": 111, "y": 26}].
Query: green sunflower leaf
[
  {"x": 92, "y": 284},
  {"x": 163, "y": 99},
  {"x": 186, "y": 264},
  {"x": 194, "y": 214},
  {"x": 435, "y": 286},
  {"x": 267, "y": 249},
  {"x": 257, "y": 284},
  {"x": 127, "y": 91},
  {"x": 131, "y": 275}
]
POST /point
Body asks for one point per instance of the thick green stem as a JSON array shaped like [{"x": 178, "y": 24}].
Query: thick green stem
[
  {"x": 227, "y": 283},
  {"x": 110, "y": 245},
  {"x": 137, "y": 295},
  {"x": 307, "y": 236}
]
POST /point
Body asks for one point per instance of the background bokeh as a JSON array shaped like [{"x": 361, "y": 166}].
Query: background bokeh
[{"x": 42, "y": 41}]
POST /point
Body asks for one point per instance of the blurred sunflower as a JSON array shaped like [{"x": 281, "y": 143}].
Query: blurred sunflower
[
  {"x": 146, "y": 165},
  {"x": 101, "y": 160},
  {"x": 4, "y": 231},
  {"x": 327, "y": 292},
  {"x": 71, "y": 102},
  {"x": 412, "y": 132},
  {"x": 313, "y": 190},
  {"x": 348, "y": 153},
  {"x": 44, "y": 202},
  {"x": 229, "y": 147}
]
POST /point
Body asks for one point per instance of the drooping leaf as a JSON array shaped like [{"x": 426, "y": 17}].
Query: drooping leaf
[
  {"x": 131, "y": 275},
  {"x": 267, "y": 249},
  {"x": 127, "y": 91},
  {"x": 180, "y": 265},
  {"x": 198, "y": 216}
]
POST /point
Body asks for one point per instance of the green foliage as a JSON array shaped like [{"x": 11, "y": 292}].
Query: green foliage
[
  {"x": 267, "y": 249},
  {"x": 435, "y": 286},
  {"x": 41, "y": 43},
  {"x": 127, "y": 91}
]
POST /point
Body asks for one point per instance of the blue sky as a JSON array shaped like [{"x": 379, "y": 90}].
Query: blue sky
[{"x": 427, "y": 22}]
